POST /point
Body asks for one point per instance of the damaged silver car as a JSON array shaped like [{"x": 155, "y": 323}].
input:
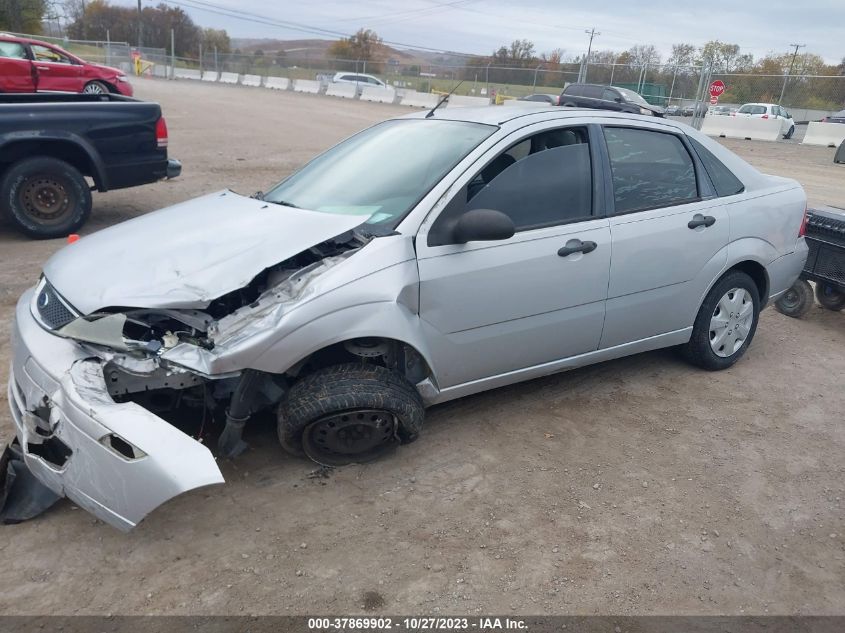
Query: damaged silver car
[{"x": 423, "y": 259}]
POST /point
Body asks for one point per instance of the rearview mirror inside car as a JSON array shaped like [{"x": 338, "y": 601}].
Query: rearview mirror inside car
[{"x": 482, "y": 225}]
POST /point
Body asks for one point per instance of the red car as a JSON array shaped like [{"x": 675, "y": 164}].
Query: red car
[{"x": 32, "y": 66}]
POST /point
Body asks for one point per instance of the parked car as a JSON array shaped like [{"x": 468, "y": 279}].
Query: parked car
[
  {"x": 50, "y": 144},
  {"x": 358, "y": 78},
  {"x": 673, "y": 110},
  {"x": 542, "y": 98},
  {"x": 694, "y": 108},
  {"x": 424, "y": 259},
  {"x": 719, "y": 111},
  {"x": 28, "y": 65},
  {"x": 769, "y": 111},
  {"x": 839, "y": 117},
  {"x": 607, "y": 98}
]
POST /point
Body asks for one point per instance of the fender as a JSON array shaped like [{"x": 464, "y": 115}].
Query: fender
[
  {"x": 60, "y": 136},
  {"x": 746, "y": 249}
]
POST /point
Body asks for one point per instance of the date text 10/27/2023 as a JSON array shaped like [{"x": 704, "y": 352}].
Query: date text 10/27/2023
[{"x": 416, "y": 624}]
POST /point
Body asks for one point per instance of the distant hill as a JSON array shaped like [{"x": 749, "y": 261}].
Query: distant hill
[{"x": 318, "y": 49}]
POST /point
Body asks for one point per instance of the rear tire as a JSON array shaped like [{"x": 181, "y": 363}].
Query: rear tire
[
  {"x": 829, "y": 297},
  {"x": 726, "y": 323},
  {"x": 349, "y": 413},
  {"x": 789, "y": 134},
  {"x": 797, "y": 301},
  {"x": 45, "y": 197}
]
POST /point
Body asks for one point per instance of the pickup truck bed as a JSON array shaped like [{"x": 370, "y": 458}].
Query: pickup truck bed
[{"x": 49, "y": 144}]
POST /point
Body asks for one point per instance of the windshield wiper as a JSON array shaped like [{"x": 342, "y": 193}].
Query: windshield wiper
[{"x": 283, "y": 203}]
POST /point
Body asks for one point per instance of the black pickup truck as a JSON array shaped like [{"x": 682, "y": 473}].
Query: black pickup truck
[{"x": 50, "y": 144}]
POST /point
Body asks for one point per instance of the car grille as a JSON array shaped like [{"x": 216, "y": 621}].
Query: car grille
[{"x": 53, "y": 312}]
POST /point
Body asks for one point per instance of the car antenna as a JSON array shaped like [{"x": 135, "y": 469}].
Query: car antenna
[{"x": 443, "y": 100}]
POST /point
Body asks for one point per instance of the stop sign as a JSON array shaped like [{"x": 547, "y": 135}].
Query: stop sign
[{"x": 717, "y": 88}]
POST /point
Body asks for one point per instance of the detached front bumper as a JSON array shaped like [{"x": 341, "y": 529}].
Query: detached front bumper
[{"x": 116, "y": 460}]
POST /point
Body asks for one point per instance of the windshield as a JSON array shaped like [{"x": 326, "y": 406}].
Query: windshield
[
  {"x": 632, "y": 96},
  {"x": 383, "y": 171}
]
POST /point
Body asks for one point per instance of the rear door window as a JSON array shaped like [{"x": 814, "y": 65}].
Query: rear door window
[
  {"x": 593, "y": 92},
  {"x": 649, "y": 169}
]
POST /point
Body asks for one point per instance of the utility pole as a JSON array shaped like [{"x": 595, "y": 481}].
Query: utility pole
[
  {"x": 140, "y": 28},
  {"x": 592, "y": 32},
  {"x": 789, "y": 72}
]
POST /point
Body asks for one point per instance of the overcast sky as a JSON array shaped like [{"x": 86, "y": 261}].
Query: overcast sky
[{"x": 480, "y": 26}]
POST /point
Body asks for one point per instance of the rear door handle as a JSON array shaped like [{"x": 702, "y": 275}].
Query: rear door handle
[
  {"x": 578, "y": 247},
  {"x": 701, "y": 220}
]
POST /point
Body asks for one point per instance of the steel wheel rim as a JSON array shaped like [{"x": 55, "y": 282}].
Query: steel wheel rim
[
  {"x": 345, "y": 437},
  {"x": 790, "y": 300},
  {"x": 93, "y": 89},
  {"x": 731, "y": 322},
  {"x": 45, "y": 199}
]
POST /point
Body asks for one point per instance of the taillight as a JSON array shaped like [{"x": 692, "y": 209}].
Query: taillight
[
  {"x": 803, "y": 230},
  {"x": 161, "y": 133}
]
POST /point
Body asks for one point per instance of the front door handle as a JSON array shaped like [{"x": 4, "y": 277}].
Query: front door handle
[
  {"x": 43, "y": 67},
  {"x": 701, "y": 220},
  {"x": 578, "y": 247}
]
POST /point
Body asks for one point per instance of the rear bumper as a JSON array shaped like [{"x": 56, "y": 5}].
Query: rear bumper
[
  {"x": 784, "y": 271},
  {"x": 66, "y": 421}
]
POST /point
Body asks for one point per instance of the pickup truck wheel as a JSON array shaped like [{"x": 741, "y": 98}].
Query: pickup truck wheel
[
  {"x": 829, "y": 297},
  {"x": 347, "y": 414},
  {"x": 95, "y": 88},
  {"x": 45, "y": 197},
  {"x": 725, "y": 324},
  {"x": 797, "y": 301}
]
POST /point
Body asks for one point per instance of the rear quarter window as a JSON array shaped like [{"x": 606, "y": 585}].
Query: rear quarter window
[
  {"x": 12, "y": 50},
  {"x": 723, "y": 179}
]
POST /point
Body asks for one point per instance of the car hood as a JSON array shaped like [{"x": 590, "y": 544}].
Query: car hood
[{"x": 187, "y": 255}]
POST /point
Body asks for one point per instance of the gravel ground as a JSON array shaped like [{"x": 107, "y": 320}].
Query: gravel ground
[{"x": 638, "y": 486}]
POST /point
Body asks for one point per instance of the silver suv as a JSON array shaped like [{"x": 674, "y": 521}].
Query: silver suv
[{"x": 423, "y": 259}]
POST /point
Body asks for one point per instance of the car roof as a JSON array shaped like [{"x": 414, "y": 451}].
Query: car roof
[
  {"x": 25, "y": 40},
  {"x": 500, "y": 116}
]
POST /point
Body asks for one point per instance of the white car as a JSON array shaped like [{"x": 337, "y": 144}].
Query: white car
[
  {"x": 769, "y": 111},
  {"x": 358, "y": 78}
]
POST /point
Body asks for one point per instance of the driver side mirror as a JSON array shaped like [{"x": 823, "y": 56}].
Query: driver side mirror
[{"x": 482, "y": 225}]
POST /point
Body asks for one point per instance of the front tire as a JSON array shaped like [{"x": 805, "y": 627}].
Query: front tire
[
  {"x": 797, "y": 301},
  {"x": 45, "y": 197},
  {"x": 829, "y": 297},
  {"x": 95, "y": 88},
  {"x": 351, "y": 413},
  {"x": 789, "y": 134},
  {"x": 725, "y": 324}
]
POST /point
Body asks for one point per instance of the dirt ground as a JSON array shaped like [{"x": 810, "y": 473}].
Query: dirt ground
[{"x": 638, "y": 486}]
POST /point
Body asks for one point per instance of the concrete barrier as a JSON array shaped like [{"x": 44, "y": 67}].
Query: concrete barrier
[
  {"x": 419, "y": 99},
  {"x": 378, "y": 95},
  {"x": 516, "y": 103},
  {"x": 160, "y": 70},
  {"x": 306, "y": 85},
  {"x": 277, "y": 83},
  {"x": 742, "y": 127},
  {"x": 228, "y": 78},
  {"x": 210, "y": 75},
  {"x": 346, "y": 91},
  {"x": 460, "y": 101},
  {"x": 827, "y": 134},
  {"x": 187, "y": 73},
  {"x": 251, "y": 80}
]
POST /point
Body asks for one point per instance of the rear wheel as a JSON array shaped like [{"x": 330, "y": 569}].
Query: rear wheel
[
  {"x": 725, "y": 324},
  {"x": 790, "y": 133},
  {"x": 350, "y": 413},
  {"x": 830, "y": 297},
  {"x": 797, "y": 301},
  {"x": 45, "y": 197},
  {"x": 95, "y": 88}
]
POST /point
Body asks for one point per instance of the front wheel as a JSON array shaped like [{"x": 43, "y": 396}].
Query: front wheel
[
  {"x": 347, "y": 414},
  {"x": 830, "y": 297},
  {"x": 95, "y": 88},
  {"x": 797, "y": 301},
  {"x": 789, "y": 134},
  {"x": 725, "y": 324},
  {"x": 45, "y": 197}
]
